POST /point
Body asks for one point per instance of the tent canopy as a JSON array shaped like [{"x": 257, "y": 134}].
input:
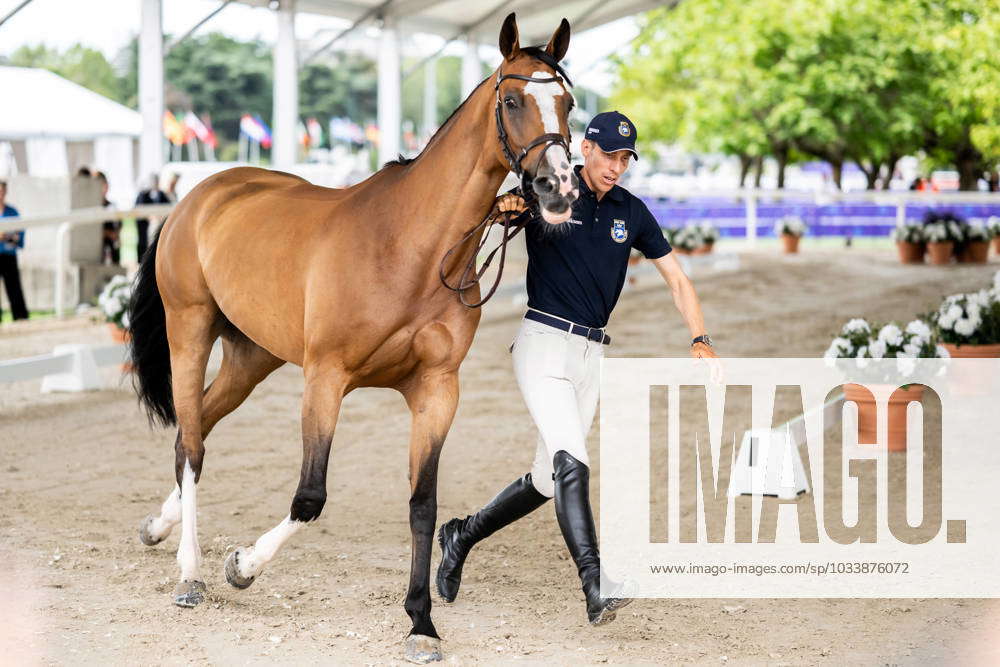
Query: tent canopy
[
  {"x": 47, "y": 105},
  {"x": 536, "y": 19}
]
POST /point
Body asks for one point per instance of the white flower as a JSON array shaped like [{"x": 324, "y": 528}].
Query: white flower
[
  {"x": 942, "y": 352},
  {"x": 857, "y": 325},
  {"x": 839, "y": 346},
  {"x": 920, "y": 329},
  {"x": 979, "y": 299},
  {"x": 125, "y": 319},
  {"x": 954, "y": 312},
  {"x": 861, "y": 360},
  {"x": 965, "y": 327},
  {"x": 910, "y": 350},
  {"x": 890, "y": 335},
  {"x": 790, "y": 224},
  {"x": 877, "y": 349}
]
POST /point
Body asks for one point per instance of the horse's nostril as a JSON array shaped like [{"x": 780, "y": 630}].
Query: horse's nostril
[{"x": 545, "y": 184}]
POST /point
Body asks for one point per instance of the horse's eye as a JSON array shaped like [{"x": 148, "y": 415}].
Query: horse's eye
[{"x": 510, "y": 102}]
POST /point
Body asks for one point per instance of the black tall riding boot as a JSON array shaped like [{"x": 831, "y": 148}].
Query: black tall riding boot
[
  {"x": 458, "y": 536},
  {"x": 576, "y": 521}
]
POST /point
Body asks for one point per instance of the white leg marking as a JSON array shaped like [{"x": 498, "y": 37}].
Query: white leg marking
[
  {"x": 170, "y": 515},
  {"x": 253, "y": 560},
  {"x": 189, "y": 553}
]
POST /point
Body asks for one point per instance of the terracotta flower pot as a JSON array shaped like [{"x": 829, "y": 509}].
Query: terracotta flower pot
[
  {"x": 970, "y": 380},
  {"x": 121, "y": 336},
  {"x": 939, "y": 252},
  {"x": 911, "y": 253},
  {"x": 996, "y": 245},
  {"x": 118, "y": 334},
  {"x": 975, "y": 252},
  {"x": 973, "y": 351},
  {"x": 704, "y": 249},
  {"x": 791, "y": 243},
  {"x": 868, "y": 415}
]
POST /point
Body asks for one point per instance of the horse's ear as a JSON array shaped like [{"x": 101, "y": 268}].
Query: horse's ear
[
  {"x": 509, "y": 45},
  {"x": 559, "y": 43}
]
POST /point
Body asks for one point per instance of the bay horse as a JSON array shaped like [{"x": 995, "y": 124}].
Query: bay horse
[{"x": 344, "y": 283}]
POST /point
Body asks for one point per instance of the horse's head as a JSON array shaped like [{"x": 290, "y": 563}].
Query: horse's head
[{"x": 532, "y": 118}]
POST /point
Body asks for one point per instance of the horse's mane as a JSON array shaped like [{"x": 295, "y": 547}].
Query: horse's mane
[{"x": 536, "y": 52}]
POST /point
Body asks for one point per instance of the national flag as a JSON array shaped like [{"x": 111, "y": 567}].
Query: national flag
[
  {"x": 266, "y": 141},
  {"x": 200, "y": 129},
  {"x": 173, "y": 130},
  {"x": 315, "y": 132},
  {"x": 254, "y": 128}
]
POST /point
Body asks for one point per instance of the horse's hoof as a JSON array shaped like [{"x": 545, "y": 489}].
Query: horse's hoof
[
  {"x": 189, "y": 593},
  {"x": 422, "y": 649},
  {"x": 233, "y": 575},
  {"x": 145, "y": 534}
]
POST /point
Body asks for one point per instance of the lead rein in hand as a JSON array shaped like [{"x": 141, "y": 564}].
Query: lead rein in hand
[{"x": 513, "y": 222}]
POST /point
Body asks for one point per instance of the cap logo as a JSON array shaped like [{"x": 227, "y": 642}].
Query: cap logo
[
  {"x": 594, "y": 130},
  {"x": 623, "y": 129}
]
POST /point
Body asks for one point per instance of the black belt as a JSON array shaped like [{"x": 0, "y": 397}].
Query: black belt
[{"x": 590, "y": 333}]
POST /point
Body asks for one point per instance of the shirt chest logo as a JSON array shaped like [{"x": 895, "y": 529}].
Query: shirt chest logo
[{"x": 618, "y": 231}]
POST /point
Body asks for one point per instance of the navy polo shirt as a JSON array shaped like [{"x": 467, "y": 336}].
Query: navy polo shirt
[{"x": 576, "y": 270}]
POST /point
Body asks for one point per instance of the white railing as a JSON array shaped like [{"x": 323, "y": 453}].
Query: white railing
[
  {"x": 66, "y": 221},
  {"x": 68, "y": 368}
]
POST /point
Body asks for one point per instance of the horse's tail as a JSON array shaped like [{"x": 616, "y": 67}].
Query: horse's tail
[{"x": 149, "y": 349}]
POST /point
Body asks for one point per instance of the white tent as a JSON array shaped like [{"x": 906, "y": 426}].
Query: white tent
[{"x": 51, "y": 126}]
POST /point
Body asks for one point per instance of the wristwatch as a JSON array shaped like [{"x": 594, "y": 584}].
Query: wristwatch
[{"x": 706, "y": 339}]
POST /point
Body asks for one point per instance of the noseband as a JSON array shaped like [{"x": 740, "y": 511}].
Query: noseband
[{"x": 512, "y": 222}]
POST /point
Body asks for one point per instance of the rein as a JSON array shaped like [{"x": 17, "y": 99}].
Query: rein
[{"x": 513, "y": 222}]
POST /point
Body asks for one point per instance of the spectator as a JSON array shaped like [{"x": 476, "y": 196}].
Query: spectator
[
  {"x": 172, "y": 186},
  {"x": 9, "y": 271},
  {"x": 111, "y": 229},
  {"x": 152, "y": 195}
]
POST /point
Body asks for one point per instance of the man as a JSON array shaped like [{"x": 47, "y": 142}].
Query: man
[
  {"x": 110, "y": 229},
  {"x": 152, "y": 195},
  {"x": 575, "y": 275},
  {"x": 10, "y": 242}
]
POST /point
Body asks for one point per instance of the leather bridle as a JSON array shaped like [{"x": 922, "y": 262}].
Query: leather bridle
[
  {"x": 512, "y": 221},
  {"x": 547, "y": 140}
]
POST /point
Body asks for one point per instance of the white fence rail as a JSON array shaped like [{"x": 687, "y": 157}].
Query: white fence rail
[
  {"x": 65, "y": 222},
  {"x": 68, "y": 368}
]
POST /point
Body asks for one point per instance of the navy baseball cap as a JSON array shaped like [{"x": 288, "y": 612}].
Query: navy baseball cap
[{"x": 612, "y": 131}]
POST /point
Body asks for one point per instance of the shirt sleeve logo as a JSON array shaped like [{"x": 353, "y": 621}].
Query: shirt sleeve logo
[
  {"x": 623, "y": 129},
  {"x": 618, "y": 231}
]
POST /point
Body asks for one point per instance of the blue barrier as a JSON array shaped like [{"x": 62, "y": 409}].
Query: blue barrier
[{"x": 835, "y": 219}]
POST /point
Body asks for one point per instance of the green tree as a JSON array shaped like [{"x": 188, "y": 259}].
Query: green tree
[
  {"x": 80, "y": 64},
  {"x": 964, "y": 127},
  {"x": 223, "y": 77},
  {"x": 867, "y": 81}
]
